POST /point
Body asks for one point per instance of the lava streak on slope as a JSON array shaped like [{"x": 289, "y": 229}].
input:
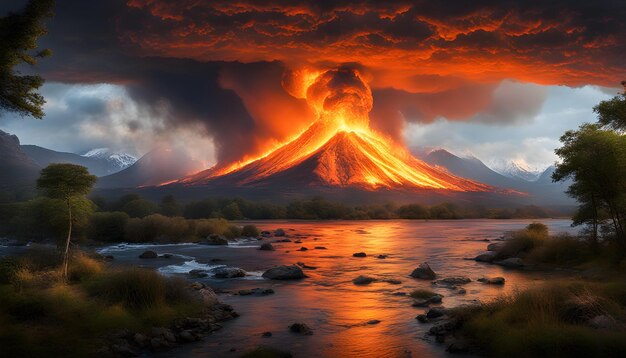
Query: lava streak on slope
[{"x": 339, "y": 148}]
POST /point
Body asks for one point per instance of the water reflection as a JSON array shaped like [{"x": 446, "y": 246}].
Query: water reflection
[{"x": 337, "y": 310}]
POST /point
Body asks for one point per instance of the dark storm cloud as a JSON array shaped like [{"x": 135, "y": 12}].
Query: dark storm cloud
[{"x": 427, "y": 59}]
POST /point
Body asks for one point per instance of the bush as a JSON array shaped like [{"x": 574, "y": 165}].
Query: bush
[
  {"x": 159, "y": 228},
  {"x": 233, "y": 232},
  {"x": 250, "y": 231},
  {"x": 139, "y": 208},
  {"x": 83, "y": 267},
  {"x": 206, "y": 227},
  {"x": 561, "y": 250},
  {"x": 523, "y": 241},
  {"x": 107, "y": 226},
  {"x": 134, "y": 288}
]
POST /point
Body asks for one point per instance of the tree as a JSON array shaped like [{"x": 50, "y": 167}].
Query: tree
[
  {"x": 612, "y": 113},
  {"x": 18, "y": 35},
  {"x": 66, "y": 182},
  {"x": 169, "y": 206},
  {"x": 595, "y": 159}
]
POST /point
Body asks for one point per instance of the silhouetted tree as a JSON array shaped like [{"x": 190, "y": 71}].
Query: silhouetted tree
[{"x": 18, "y": 37}]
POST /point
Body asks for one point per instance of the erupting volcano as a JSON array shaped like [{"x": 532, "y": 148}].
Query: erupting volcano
[{"x": 338, "y": 150}]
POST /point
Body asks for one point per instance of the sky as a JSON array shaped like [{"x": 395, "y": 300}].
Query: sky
[{"x": 500, "y": 80}]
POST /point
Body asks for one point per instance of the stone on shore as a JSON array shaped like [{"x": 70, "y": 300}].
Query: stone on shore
[
  {"x": 511, "y": 262},
  {"x": 492, "y": 280},
  {"x": 488, "y": 256},
  {"x": 267, "y": 247}
]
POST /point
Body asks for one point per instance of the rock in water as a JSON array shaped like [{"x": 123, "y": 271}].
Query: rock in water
[
  {"x": 359, "y": 254},
  {"x": 453, "y": 281},
  {"x": 279, "y": 232},
  {"x": 215, "y": 239},
  {"x": 229, "y": 272},
  {"x": 284, "y": 272},
  {"x": 301, "y": 328},
  {"x": 363, "y": 280},
  {"x": 148, "y": 255},
  {"x": 488, "y": 256},
  {"x": 424, "y": 272},
  {"x": 511, "y": 262},
  {"x": 267, "y": 247},
  {"x": 492, "y": 280}
]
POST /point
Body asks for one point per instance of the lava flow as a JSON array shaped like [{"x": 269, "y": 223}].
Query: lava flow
[{"x": 339, "y": 148}]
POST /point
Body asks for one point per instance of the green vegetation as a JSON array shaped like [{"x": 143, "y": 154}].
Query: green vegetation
[
  {"x": 19, "y": 33},
  {"x": 42, "y": 316},
  {"x": 563, "y": 319},
  {"x": 70, "y": 183},
  {"x": 594, "y": 157}
]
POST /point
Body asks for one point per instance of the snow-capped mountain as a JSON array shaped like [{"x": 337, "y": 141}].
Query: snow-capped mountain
[
  {"x": 118, "y": 159},
  {"x": 516, "y": 170}
]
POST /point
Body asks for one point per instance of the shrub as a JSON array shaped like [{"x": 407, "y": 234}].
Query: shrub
[
  {"x": 562, "y": 250},
  {"x": 139, "y": 208},
  {"x": 206, "y": 227},
  {"x": 523, "y": 241},
  {"x": 233, "y": 232},
  {"x": 83, "y": 267},
  {"x": 133, "y": 288},
  {"x": 8, "y": 267},
  {"x": 107, "y": 226},
  {"x": 250, "y": 231}
]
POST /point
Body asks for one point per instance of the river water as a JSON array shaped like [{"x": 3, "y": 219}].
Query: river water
[{"x": 328, "y": 301}]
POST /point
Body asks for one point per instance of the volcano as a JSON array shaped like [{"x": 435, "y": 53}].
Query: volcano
[{"x": 338, "y": 150}]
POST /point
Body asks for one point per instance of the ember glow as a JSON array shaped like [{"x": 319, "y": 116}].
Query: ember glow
[{"x": 346, "y": 150}]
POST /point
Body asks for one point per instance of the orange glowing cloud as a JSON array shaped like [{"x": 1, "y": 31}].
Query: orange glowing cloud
[{"x": 479, "y": 41}]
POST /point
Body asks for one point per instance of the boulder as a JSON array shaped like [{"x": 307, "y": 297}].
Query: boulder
[
  {"x": 229, "y": 272},
  {"x": 215, "y": 239},
  {"x": 488, "y": 256},
  {"x": 435, "y": 312},
  {"x": 424, "y": 272},
  {"x": 492, "y": 280},
  {"x": 267, "y": 247},
  {"x": 373, "y": 321},
  {"x": 303, "y": 249},
  {"x": 511, "y": 262},
  {"x": 256, "y": 291},
  {"x": 381, "y": 256},
  {"x": 187, "y": 336},
  {"x": 284, "y": 272},
  {"x": 495, "y": 246},
  {"x": 279, "y": 232},
  {"x": 359, "y": 254},
  {"x": 301, "y": 328},
  {"x": 363, "y": 280},
  {"x": 453, "y": 281},
  {"x": 148, "y": 255},
  {"x": 320, "y": 248},
  {"x": 207, "y": 296},
  {"x": 199, "y": 273},
  {"x": 266, "y": 233}
]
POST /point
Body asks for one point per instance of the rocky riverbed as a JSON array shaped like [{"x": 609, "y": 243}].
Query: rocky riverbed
[{"x": 341, "y": 288}]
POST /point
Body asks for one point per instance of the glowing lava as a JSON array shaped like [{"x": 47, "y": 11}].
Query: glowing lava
[{"x": 339, "y": 148}]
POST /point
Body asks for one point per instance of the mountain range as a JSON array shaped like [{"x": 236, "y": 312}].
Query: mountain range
[{"x": 342, "y": 160}]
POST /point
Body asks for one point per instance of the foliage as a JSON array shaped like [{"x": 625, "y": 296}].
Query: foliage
[
  {"x": 169, "y": 206},
  {"x": 64, "y": 181},
  {"x": 250, "y": 231},
  {"x": 547, "y": 321},
  {"x": 19, "y": 33},
  {"x": 107, "y": 226},
  {"x": 612, "y": 113}
]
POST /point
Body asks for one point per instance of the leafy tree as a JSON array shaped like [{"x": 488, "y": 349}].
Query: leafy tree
[
  {"x": 595, "y": 159},
  {"x": 139, "y": 208},
  {"x": 232, "y": 212},
  {"x": 612, "y": 113},
  {"x": 169, "y": 206},
  {"x": 67, "y": 182},
  {"x": 18, "y": 37}
]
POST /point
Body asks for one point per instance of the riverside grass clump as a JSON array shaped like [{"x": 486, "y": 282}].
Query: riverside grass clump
[
  {"x": 536, "y": 246},
  {"x": 554, "y": 320},
  {"x": 43, "y": 316}
]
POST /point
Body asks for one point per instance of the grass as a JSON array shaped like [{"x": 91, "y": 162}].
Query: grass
[
  {"x": 40, "y": 315},
  {"x": 536, "y": 246},
  {"x": 548, "y": 321}
]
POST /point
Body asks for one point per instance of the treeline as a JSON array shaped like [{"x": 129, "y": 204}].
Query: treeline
[{"x": 316, "y": 208}]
